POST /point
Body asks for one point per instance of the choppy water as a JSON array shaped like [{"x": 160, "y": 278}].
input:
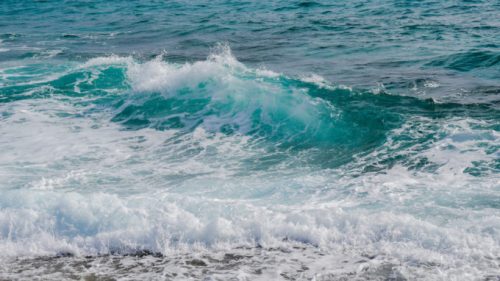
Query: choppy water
[{"x": 248, "y": 140}]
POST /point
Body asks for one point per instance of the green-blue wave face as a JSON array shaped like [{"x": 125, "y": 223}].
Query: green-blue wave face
[{"x": 302, "y": 122}]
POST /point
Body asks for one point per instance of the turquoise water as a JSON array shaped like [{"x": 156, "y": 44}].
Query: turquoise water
[{"x": 361, "y": 138}]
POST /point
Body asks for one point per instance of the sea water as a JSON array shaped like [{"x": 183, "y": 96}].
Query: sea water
[{"x": 270, "y": 140}]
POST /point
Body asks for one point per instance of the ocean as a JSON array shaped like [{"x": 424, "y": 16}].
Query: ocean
[{"x": 250, "y": 140}]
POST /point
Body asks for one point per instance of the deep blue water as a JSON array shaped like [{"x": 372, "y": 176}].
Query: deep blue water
[{"x": 361, "y": 138}]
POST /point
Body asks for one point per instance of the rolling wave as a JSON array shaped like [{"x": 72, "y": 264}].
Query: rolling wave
[{"x": 122, "y": 156}]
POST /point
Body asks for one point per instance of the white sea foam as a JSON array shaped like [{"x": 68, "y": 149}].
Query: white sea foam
[
  {"x": 157, "y": 75},
  {"x": 108, "y": 60},
  {"x": 318, "y": 80},
  {"x": 74, "y": 182},
  {"x": 431, "y": 84},
  {"x": 267, "y": 73},
  {"x": 114, "y": 199}
]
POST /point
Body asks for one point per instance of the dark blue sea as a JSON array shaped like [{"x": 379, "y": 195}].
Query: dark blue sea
[{"x": 250, "y": 140}]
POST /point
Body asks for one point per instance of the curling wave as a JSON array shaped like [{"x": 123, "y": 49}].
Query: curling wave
[{"x": 121, "y": 156}]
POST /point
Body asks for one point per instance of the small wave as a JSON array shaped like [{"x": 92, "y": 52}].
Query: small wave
[
  {"x": 309, "y": 4},
  {"x": 300, "y": 5},
  {"x": 70, "y": 36},
  {"x": 109, "y": 60},
  {"x": 468, "y": 61}
]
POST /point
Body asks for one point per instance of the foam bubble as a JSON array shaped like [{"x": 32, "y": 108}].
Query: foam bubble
[{"x": 109, "y": 60}]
